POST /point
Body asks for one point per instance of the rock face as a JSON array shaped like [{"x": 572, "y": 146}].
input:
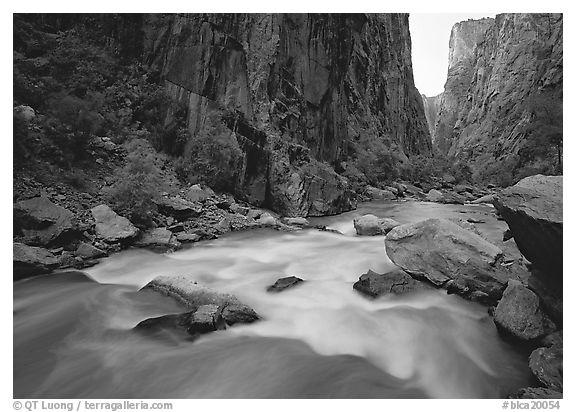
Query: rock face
[
  {"x": 396, "y": 282},
  {"x": 431, "y": 108},
  {"x": 300, "y": 94},
  {"x": 497, "y": 69},
  {"x": 519, "y": 314},
  {"x": 536, "y": 393},
  {"x": 30, "y": 261},
  {"x": 449, "y": 256},
  {"x": 370, "y": 225},
  {"x": 112, "y": 227},
  {"x": 42, "y": 222}
]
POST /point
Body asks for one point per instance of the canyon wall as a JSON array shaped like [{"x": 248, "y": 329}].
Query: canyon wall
[
  {"x": 431, "y": 109},
  {"x": 501, "y": 110},
  {"x": 302, "y": 94}
]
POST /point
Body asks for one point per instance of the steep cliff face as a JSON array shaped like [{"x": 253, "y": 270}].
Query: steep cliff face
[
  {"x": 431, "y": 108},
  {"x": 296, "y": 91},
  {"x": 502, "y": 106}
]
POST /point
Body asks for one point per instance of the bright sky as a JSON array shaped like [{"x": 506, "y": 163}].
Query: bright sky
[{"x": 430, "y": 35}]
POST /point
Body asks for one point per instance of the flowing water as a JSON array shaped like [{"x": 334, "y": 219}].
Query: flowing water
[{"x": 73, "y": 334}]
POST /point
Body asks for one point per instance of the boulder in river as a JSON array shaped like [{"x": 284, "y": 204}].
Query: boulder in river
[
  {"x": 396, "y": 282},
  {"x": 31, "y": 260},
  {"x": 370, "y": 225},
  {"x": 111, "y": 227},
  {"x": 519, "y": 314},
  {"x": 380, "y": 194},
  {"x": 209, "y": 310},
  {"x": 42, "y": 222},
  {"x": 547, "y": 365},
  {"x": 451, "y": 257},
  {"x": 434, "y": 195},
  {"x": 88, "y": 251},
  {"x": 284, "y": 283},
  {"x": 533, "y": 210},
  {"x": 296, "y": 221}
]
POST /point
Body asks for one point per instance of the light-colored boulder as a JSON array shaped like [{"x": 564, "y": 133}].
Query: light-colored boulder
[
  {"x": 112, "y": 227},
  {"x": 370, "y": 225}
]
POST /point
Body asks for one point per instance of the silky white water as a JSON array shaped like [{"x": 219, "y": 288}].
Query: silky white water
[{"x": 74, "y": 337}]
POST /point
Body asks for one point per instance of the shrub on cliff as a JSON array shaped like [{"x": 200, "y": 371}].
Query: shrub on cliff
[
  {"x": 138, "y": 184},
  {"x": 213, "y": 157}
]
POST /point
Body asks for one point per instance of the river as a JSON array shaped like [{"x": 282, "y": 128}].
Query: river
[{"x": 73, "y": 334}]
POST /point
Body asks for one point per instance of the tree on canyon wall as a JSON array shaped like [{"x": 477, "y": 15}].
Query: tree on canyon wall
[{"x": 544, "y": 130}]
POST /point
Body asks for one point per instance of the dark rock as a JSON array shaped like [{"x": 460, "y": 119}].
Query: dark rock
[
  {"x": 397, "y": 282},
  {"x": 42, "y": 222},
  {"x": 178, "y": 208},
  {"x": 111, "y": 227},
  {"x": 448, "y": 255},
  {"x": 30, "y": 261},
  {"x": 519, "y": 314},
  {"x": 284, "y": 283},
  {"x": 536, "y": 393},
  {"x": 87, "y": 251},
  {"x": 176, "y": 228},
  {"x": 207, "y": 318},
  {"x": 507, "y": 235},
  {"x": 547, "y": 365},
  {"x": 533, "y": 210},
  {"x": 238, "y": 313},
  {"x": 556, "y": 338},
  {"x": 549, "y": 292},
  {"x": 370, "y": 225}
]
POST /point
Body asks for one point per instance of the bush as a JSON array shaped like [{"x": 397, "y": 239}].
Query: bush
[
  {"x": 138, "y": 184},
  {"x": 213, "y": 157}
]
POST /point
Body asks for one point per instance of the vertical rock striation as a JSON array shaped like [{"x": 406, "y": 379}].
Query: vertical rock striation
[
  {"x": 498, "y": 69},
  {"x": 431, "y": 108},
  {"x": 300, "y": 94}
]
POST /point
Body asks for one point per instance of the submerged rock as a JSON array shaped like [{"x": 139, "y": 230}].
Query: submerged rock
[
  {"x": 397, "y": 282},
  {"x": 111, "y": 227},
  {"x": 519, "y": 314},
  {"x": 547, "y": 365},
  {"x": 449, "y": 256},
  {"x": 370, "y": 225},
  {"x": 31, "y": 260},
  {"x": 284, "y": 283}
]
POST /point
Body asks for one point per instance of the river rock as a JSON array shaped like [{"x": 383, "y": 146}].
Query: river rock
[
  {"x": 207, "y": 318},
  {"x": 159, "y": 238},
  {"x": 87, "y": 251},
  {"x": 239, "y": 313},
  {"x": 380, "y": 194},
  {"x": 30, "y": 261},
  {"x": 397, "y": 282},
  {"x": 449, "y": 256},
  {"x": 284, "y": 283},
  {"x": 536, "y": 393},
  {"x": 370, "y": 225},
  {"x": 296, "y": 221},
  {"x": 484, "y": 199},
  {"x": 434, "y": 195},
  {"x": 519, "y": 314},
  {"x": 178, "y": 208},
  {"x": 547, "y": 365},
  {"x": 188, "y": 237},
  {"x": 111, "y": 227},
  {"x": 42, "y": 222},
  {"x": 266, "y": 219},
  {"x": 533, "y": 210}
]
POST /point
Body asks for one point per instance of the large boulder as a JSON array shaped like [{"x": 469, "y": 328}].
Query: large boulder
[
  {"x": 42, "y": 222},
  {"x": 31, "y": 260},
  {"x": 159, "y": 238},
  {"x": 380, "y": 194},
  {"x": 434, "y": 195},
  {"x": 547, "y": 365},
  {"x": 396, "y": 282},
  {"x": 370, "y": 225},
  {"x": 88, "y": 251},
  {"x": 451, "y": 257},
  {"x": 533, "y": 210},
  {"x": 519, "y": 314},
  {"x": 196, "y": 194},
  {"x": 111, "y": 227}
]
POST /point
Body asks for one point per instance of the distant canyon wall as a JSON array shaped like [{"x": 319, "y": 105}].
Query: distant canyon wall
[{"x": 502, "y": 102}]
